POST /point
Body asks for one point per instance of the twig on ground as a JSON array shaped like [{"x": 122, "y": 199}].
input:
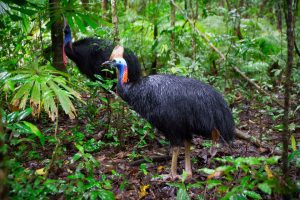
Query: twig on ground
[
  {"x": 153, "y": 158},
  {"x": 251, "y": 139},
  {"x": 54, "y": 151}
]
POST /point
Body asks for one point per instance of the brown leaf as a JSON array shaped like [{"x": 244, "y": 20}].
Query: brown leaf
[{"x": 215, "y": 175}]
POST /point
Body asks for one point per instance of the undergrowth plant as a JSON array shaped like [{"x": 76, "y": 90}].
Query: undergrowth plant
[{"x": 42, "y": 88}]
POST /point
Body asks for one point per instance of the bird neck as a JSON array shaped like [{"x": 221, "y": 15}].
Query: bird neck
[
  {"x": 123, "y": 75},
  {"x": 68, "y": 38}
]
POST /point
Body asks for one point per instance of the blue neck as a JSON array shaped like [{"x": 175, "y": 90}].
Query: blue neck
[
  {"x": 122, "y": 69},
  {"x": 68, "y": 38}
]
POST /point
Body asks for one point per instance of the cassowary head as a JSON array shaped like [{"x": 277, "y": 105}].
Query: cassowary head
[{"x": 117, "y": 61}]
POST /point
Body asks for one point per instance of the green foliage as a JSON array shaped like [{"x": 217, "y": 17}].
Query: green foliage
[
  {"x": 255, "y": 177},
  {"x": 14, "y": 122},
  {"x": 41, "y": 88},
  {"x": 27, "y": 82}
]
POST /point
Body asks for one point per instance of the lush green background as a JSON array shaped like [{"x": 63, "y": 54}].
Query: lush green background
[{"x": 37, "y": 100}]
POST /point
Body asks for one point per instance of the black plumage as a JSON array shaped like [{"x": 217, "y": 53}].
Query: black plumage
[
  {"x": 177, "y": 106},
  {"x": 89, "y": 53}
]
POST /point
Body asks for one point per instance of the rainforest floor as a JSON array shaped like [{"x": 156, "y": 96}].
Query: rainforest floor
[{"x": 131, "y": 181}]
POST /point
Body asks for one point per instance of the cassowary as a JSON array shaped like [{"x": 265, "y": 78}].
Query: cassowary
[
  {"x": 177, "y": 106},
  {"x": 89, "y": 53}
]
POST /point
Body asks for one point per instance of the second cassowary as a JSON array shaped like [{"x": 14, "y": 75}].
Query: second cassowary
[
  {"x": 177, "y": 106},
  {"x": 89, "y": 53}
]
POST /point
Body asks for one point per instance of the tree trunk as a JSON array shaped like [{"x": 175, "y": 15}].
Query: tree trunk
[
  {"x": 262, "y": 7},
  {"x": 125, "y": 4},
  {"x": 115, "y": 21},
  {"x": 278, "y": 12},
  {"x": 172, "y": 39},
  {"x": 287, "y": 85},
  {"x": 153, "y": 69},
  {"x": 104, "y": 7},
  {"x": 238, "y": 22},
  {"x": 56, "y": 35},
  {"x": 154, "y": 63},
  {"x": 3, "y": 170}
]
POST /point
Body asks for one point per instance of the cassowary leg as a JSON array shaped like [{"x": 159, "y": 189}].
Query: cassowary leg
[
  {"x": 175, "y": 153},
  {"x": 187, "y": 158}
]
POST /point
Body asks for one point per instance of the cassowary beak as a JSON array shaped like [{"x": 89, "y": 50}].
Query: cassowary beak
[{"x": 109, "y": 63}]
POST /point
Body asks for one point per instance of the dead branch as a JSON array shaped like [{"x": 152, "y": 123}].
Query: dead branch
[
  {"x": 253, "y": 140},
  {"x": 54, "y": 154},
  {"x": 244, "y": 136},
  {"x": 153, "y": 158}
]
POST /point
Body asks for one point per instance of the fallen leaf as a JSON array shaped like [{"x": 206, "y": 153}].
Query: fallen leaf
[
  {"x": 216, "y": 174},
  {"x": 263, "y": 150},
  {"x": 100, "y": 159},
  {"x": 40, "y": 171},
  {"x": 238, "y": 97},
  {"x": 121, "y": 154},
  {"x": 269, "y": 172},
  {"x": 143, "y": 191},
  {"x": 160, "y": 169}
]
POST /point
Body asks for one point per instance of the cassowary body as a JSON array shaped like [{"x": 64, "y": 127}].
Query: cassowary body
[
  {"x": 89, "y": 53},
  {"x": 178, "y": 107}
]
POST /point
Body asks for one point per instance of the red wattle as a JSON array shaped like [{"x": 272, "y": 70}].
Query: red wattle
[{"x": 64, "y": 56}]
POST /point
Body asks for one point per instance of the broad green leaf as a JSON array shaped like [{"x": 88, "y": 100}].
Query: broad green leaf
[
  {"x": 35, "y": 97},
  {"x": 252, "y": 194},
  {"x": 4, "y": 75},
  {"x": 207, "y": 170},
  {"x": 106, "y": 195},
  {"x": 24, "y": 113},
  {"x": 265, "y": 187},
  {"x": 273, "y": 160},
  {"x": 80, "y": 148},
  {"x": 21, "y": 128},
  {"x": 21, "y": 96},
  {"x": 23, "y": 10},
  {"x": 89, "y": 20},
  {"x": 76, "y": 157},
  {"x": 64, "y": 99},
  {"x": 293, "y": 155},
  {"x": 36, "y": 131},
  {"x": 212, "y": 183},
  {"x": 49, "y": 102},
  {"x": 80, "y": 24},
  {"x": 182, "y": 194},
  {"x": 12, "y": 117},
  {"x": 70, "y": 21}
]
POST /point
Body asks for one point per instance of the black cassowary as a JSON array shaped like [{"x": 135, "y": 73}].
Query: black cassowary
[
  {"x": 177, "y": 106},
  {"x": 89, "y": 53}
]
